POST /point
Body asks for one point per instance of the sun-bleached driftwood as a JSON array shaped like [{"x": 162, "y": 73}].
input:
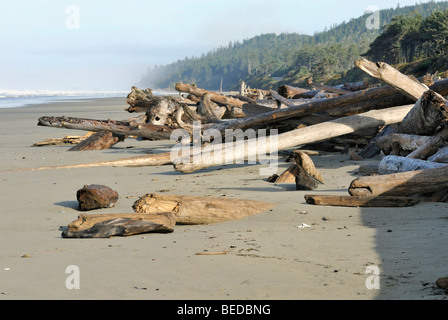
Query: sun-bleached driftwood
[
  {"x": 384, "y": 72},
  {"x": 302, "y": 136},
  {"x": 127, "y": 128},
  {"x": 395, "y": 164},
  {"x": 401, "y": 184},
  {"x": 428, "y": 114},
  {"x": 158, "y": 159},
  {"x": 111, "y": 225},
  {"x": 363, "y": 202},
  {"x": 190, "y": 210},
  {"x": 215, "y": 97},
  {"x": 63, "y": 141}
]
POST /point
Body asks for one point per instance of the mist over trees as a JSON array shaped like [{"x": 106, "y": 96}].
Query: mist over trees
[{"x": 267, "y": 61}]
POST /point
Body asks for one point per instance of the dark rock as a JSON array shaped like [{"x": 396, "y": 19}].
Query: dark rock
[{"x": 96, "y": 197}]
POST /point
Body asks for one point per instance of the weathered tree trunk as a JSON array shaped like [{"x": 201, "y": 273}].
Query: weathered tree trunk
[
  {"x": 127, "y": 128},
  {"x": 98, "y": 141},
  {"x": 404, "y": 84},
  {"x": 428, "y": 149},
  {"x": 394, "y": 142},
  {"x": 289, "y": 92},
  {"x": 401, "y": 184},
  {"x": 395, "y": 164},
  {"x": 190, "y": 210},
  {"x": 427, "y": 115},
  {"x": 316, "y": 133},
  {"x": 441, "y": 156},
  {"x": 218, "y": 98},
  {"x": 353, "y": 201},
  {"x": 110, "y": 225}
]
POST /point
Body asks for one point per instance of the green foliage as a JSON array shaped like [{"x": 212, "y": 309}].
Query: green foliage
[{"x": 270, "y": 60}]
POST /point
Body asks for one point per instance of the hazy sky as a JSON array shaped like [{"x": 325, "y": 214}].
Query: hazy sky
[{"x": 108, "y": 45}]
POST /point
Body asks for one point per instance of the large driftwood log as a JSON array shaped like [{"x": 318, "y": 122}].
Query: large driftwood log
[
  {"x": 110, "y": 225},
  {"x": 401, "y": 184},
  {"x": 218, "y": 98},
  {"x": 409, "y": 87},
  {"x": 427, "y": 115},
  {"x": 190, "y": 210},
  {"x": 353, "y": 201},
  {"x": 127, "y": 128},
  {"x": 395, "y": 164},
  {"x": 302, "y": 136}
]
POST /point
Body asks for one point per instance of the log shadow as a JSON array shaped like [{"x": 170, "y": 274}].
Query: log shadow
[
  {"x": 68, "y": 204},
  {"x": 408, "y": 241}
]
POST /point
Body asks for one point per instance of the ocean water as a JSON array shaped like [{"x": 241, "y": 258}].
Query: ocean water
[{"x": 16, "y": 99}]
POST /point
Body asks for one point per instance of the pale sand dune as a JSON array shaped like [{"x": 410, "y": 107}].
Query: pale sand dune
[{"x": 269, "y": 257}]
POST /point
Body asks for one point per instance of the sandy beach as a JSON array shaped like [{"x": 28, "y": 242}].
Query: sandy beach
[{"x": 269, "y": 257}]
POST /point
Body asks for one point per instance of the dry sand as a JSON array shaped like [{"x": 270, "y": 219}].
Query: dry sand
[{"x": 269, "y": 257}]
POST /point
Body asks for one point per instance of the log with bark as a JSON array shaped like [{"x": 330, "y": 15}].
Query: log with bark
[
  {"x": 401, "y": 184},
  {"x": 190, "y": 210},
  {"x": 112, "y": 225},
  {"x": 363, "y": 202},
  {"x": 127, "y": 128}
]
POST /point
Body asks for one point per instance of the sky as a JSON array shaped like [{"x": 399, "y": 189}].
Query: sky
[{"x": 110, "y": 44}]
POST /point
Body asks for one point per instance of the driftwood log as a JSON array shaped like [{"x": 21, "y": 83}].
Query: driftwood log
[
  {"x": 401, "y": 184},
  {"x": 402, "y": 83},
  {"x": 218, "y": 98},
  {"x": 395, "y": 164},
  {"x": 98, "y": 141},
  {"x": 189, "y": 210},
  {"x": 302, "y": 136},
  {"x": 354, "y": 201},
  {"x": 127, "y": 128},
  {"x": 111, "y": 225},
  {"x": 159, "y": 159}
]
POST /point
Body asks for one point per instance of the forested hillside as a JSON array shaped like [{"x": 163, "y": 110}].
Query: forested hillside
[{"x": 406, "y": 35}]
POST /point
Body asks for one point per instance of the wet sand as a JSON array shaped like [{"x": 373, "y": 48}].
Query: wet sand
[{"x": 269, "y": 257}]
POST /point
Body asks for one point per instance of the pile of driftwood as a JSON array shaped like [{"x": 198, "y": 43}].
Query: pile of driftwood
[{"x": 404, "y": 120}]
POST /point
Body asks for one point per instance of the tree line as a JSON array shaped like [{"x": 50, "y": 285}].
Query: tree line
[{"x": 270, "y": 60}]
